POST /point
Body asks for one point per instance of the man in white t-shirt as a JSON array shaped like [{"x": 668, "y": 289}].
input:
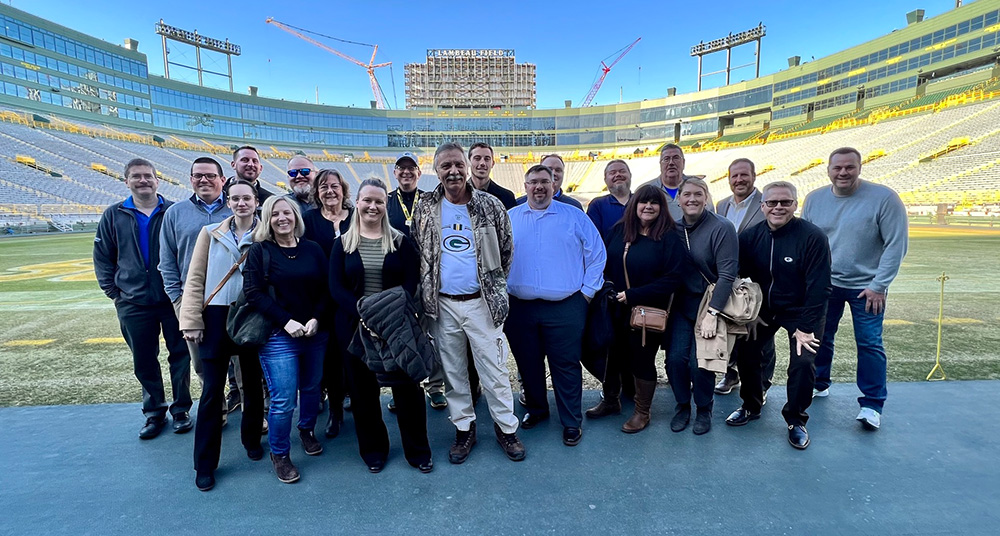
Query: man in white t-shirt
[{"x": 466, "y": 249}]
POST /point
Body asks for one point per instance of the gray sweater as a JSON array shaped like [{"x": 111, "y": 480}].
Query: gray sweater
[
  {"x": 182, "y": 223},
  {"x": 714, "y": 251},
  {"x": 867, "y": 232}
]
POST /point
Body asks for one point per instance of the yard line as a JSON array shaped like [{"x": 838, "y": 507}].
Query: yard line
[
  {"x": 105, "y": 340},
  {"x": 29, "y": 342}
]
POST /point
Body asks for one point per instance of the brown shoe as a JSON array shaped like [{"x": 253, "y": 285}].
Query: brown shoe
[
  {"x": 609, "y": 405},
  {"x": 644, "y": 390},
  {"x": 464, "y": 442},
  {"x": 285, "y": 469},
  {"x": 510, "y": 444},
  {"x": 309, "y": 443}
]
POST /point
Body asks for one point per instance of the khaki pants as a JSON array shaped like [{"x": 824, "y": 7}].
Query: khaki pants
[{"x": 459, "y": 323}]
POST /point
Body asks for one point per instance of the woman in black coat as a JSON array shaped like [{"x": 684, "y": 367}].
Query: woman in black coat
[
  {"x": 369, "y": 258},
  {"x": 645, "y": 245}
]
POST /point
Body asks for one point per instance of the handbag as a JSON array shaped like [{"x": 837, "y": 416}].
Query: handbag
[
  {"x": 643, "y": 317},
  {"x": 246, "y": 325},
  {"x": 743, "y": 304}
]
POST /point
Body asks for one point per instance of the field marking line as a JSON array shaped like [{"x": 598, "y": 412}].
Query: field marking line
[
  {"x": 29, "y": 342},
  {"x": 897, "y": 322},
  {"x": 105, "y": 340},
  {"x": 953, "y": 321}
]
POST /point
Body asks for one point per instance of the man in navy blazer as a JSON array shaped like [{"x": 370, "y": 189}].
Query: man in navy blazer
[{"x": 742, "y": 209}]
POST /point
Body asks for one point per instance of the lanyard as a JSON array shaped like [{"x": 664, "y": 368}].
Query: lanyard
[{"x": 406, "y": 212}]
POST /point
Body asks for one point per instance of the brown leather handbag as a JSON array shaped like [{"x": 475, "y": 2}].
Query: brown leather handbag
[{"x": 642, "y": 317}]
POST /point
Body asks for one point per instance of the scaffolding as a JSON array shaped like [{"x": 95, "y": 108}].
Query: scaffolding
[{"x": 470, "y": 78}]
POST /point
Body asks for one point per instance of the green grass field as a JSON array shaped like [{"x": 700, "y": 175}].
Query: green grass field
[{"x": 60, "y": 342}]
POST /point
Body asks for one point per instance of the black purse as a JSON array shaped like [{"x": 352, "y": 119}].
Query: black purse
[{"x": 245, "y": 324}]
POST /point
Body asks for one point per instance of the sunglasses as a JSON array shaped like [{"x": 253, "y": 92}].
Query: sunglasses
[
  {"x": 296, "y": 172},
  {"x": 771, "y": 203}
]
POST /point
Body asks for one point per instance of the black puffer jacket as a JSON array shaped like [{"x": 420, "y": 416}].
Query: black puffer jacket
[{"x": 390, "y": 338}]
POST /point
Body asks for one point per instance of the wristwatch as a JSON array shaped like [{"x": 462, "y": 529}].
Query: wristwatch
[{"x": 713, "y": 313}]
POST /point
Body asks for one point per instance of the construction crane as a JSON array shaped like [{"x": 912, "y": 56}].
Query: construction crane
[
  {"x": 370, "y": 66},
  {"x": 605, "y": 69}
]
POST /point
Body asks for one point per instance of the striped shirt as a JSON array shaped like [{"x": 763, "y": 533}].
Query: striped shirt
[{"x": 372, "y": 259}]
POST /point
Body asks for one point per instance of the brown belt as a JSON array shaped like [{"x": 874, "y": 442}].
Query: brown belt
[{"x": 461, "y": 297}]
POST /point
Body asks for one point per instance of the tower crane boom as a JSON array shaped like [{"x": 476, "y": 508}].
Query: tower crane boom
[
  {"x": 370, "y": 66},
  {"x": 605, "y": 69}
]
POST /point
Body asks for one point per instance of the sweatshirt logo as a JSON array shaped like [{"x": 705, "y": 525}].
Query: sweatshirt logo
[{"x": 788, "y": 259}]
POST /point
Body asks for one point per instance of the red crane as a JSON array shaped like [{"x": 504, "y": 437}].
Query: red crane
[
  {"x": 370, "y": 67},
  {"x": 605, "y": 69}
]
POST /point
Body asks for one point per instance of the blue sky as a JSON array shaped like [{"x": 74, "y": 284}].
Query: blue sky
[{"x": 566, "y": 40}]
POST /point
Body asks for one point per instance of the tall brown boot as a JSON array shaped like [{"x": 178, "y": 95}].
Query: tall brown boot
[
  {"x": 644, "y": 390},
  {"x": 609, "y": 405}
]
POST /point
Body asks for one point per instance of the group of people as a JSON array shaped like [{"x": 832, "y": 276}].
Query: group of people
[{"x": 489, "y": 274}]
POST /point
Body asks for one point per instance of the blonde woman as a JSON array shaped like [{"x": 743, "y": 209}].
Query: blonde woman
[
  {"x": 285, "y": 279},
  {"x": 369, "y": 258}
]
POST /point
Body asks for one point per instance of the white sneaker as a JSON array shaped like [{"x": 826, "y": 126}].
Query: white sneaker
[
  {"x": 821, "y": 394},
  {"x": 870, "y": 418}
]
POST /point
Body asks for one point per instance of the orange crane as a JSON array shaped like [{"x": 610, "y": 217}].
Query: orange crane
[
  {"x": 370, "y": 67},
  {"x": 605, "y": 69}
]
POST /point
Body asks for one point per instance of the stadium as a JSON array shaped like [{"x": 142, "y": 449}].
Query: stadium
[
  {"x": 918, "y": 103},
  {"x": 921, "y": 104}
]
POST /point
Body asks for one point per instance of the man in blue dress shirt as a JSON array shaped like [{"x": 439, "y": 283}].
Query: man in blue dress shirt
[{"x": 557, "y": 268}]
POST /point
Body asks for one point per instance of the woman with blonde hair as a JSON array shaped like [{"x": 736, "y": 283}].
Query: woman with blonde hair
[
  {"x": 714, "y": 253},
  {"x": 369, "y": 258},
  {"x": 285, "y": 280}
]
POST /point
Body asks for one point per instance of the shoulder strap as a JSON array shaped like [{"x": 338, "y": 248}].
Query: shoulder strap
[
  {"x": 625, "y": 265},
  {"x": 687, "y": 242},
  {"x": 232, "y": 270}
]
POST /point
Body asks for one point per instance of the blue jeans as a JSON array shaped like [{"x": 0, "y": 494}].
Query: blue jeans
[
  {"x": 290, "y": 367},
  {"x": 871, "y": 350}
]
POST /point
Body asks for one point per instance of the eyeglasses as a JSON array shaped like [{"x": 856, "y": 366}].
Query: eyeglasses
[
  {"x": 543, "y": 182},
  {"x": 296, "y": 172},
  {"x": 209, "y": 176},
  {"x": 771, "y": 203},
  {"x": 405, "y": 167}
]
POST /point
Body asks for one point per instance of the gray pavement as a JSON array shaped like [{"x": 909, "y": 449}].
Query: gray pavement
[{"x": 931, "y": 469}]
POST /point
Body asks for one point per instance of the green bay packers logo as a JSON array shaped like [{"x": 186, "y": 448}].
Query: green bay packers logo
[{"x": 456, "y": 243}]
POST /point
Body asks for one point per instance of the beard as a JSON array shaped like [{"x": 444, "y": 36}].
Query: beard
[{"x": 618, "y": 190}]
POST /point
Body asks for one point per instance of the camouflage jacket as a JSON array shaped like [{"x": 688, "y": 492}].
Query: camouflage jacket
[{"x": 494, "y": 249}]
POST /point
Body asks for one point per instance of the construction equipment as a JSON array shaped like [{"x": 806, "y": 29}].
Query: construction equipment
[
  {"x": 370, "y": 66},
  {"x": 605, "y": 69}
]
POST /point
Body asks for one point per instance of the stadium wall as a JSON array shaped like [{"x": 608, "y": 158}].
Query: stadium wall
[{"x": 47, "y": 68}]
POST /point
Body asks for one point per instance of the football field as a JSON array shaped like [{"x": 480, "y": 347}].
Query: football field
[{"x": 60, "y": 342}]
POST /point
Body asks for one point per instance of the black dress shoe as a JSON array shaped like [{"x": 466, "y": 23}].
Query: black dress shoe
[
  {"x": 798, "y": 436},
  {"x": 424, "y": 467},
  {"x": 531, "y": 420},
  {"x": 153, "y": 427},
  {"x": 205, "y": 480},
  {"x": 347, "y": 403},
  {"x": 183, "y": 423},
  {"x": 572, "y": 436},
  {"x": 333, "y": 424},
  {"x": 376, "y": 465},
  {"x": 681, "y": 418},
  {"x": 255, "y": 454},
  {"x": 741, "y": 417}
]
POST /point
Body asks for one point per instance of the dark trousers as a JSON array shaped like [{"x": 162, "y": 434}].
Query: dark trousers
[
  {"x": 540, "y": 329},
  {"x": 686, "y": 379},
  {"x": 141, "y": 326},
  {"x": 215, "y": 350},
  {"x": 335, "y": 373},
  {"x": 628, "y": 356},
  {"x": 801, "y": 374},
  {"x": 411, "y": 415},
  {"x": 733, "y": 374}
]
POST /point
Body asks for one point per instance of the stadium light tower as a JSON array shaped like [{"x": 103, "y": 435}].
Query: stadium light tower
[
  {"x": 198, "y": 42},
  {"x": 605, "y": 69},
  {"x": 370, "y": 67},
  {"x": 728, "y": 43}
]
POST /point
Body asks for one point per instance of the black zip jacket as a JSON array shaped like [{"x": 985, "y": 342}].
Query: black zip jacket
[
  {"x": 121, "y": 272},
  {"x": 792, "y": 266}
]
